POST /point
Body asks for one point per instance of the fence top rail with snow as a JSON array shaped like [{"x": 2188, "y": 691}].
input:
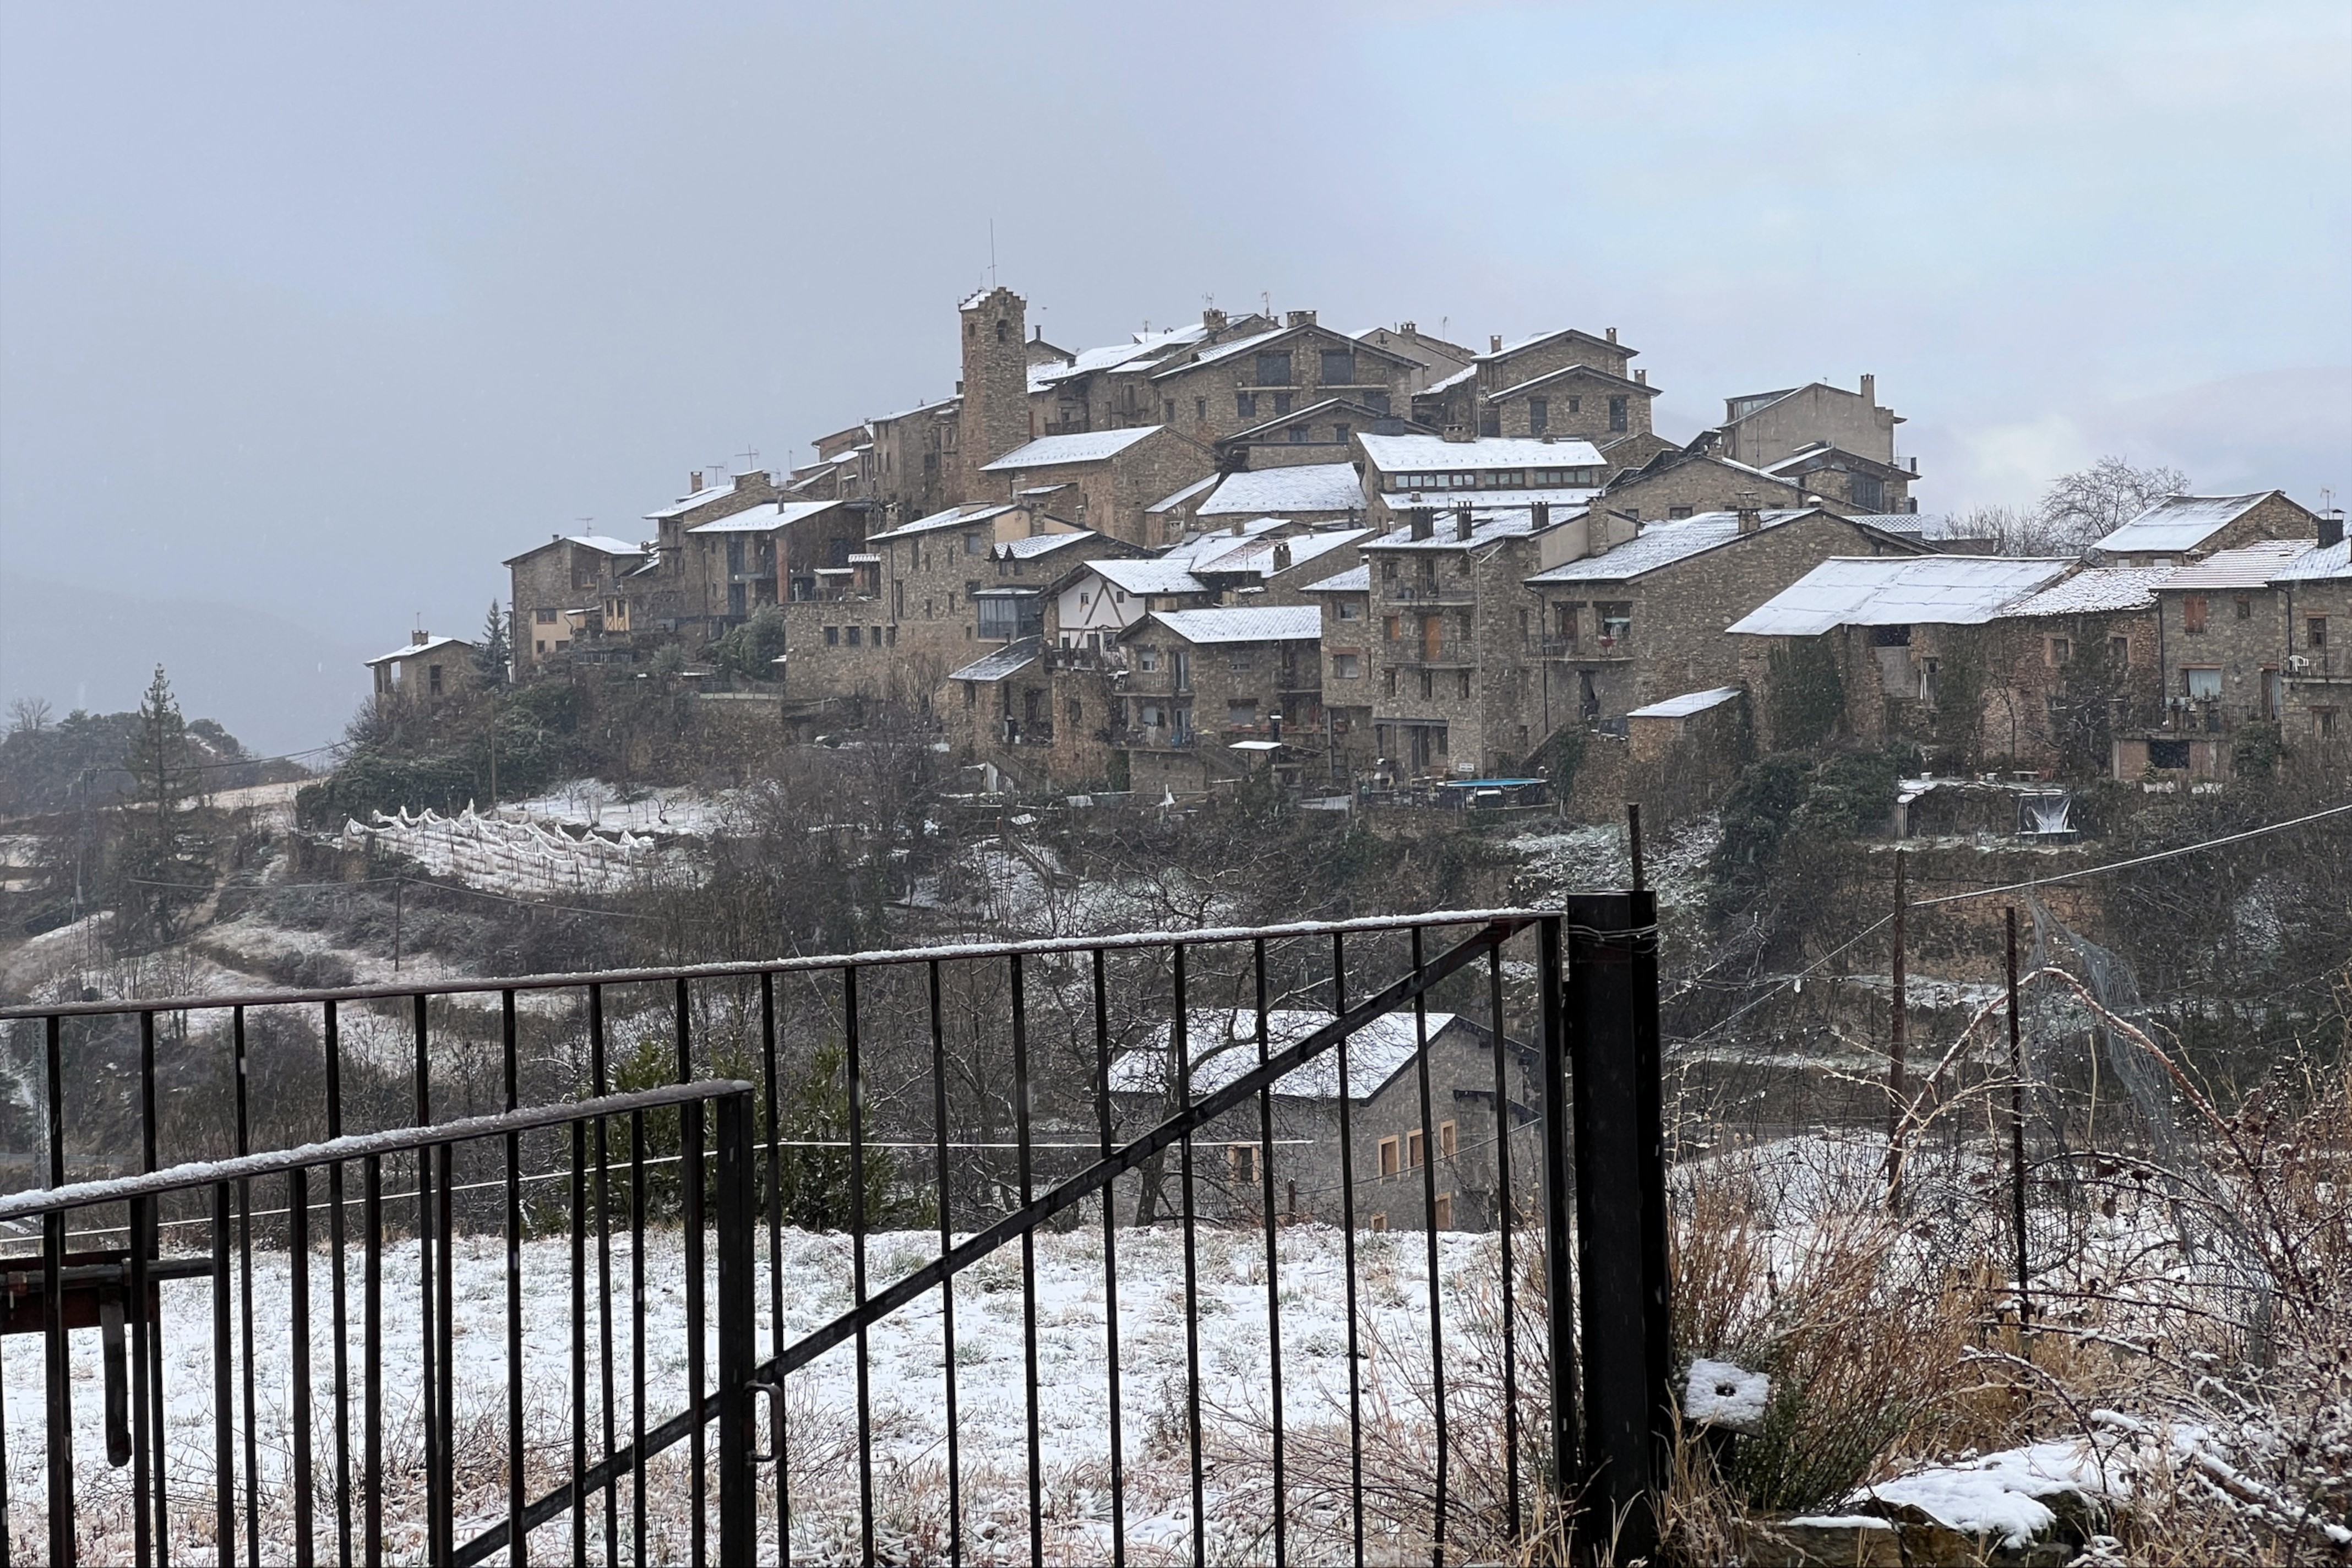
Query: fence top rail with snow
[
  {"x": 1513, "y": 920},
  {"x": 197, "y": 1173}
]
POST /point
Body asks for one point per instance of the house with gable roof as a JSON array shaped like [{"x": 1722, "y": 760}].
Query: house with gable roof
[
  {"x": 1214, "y": 695},
  {"x": 1316, "y": 434},
  {"x": 1101, "y": 479},
  {"x": 1562, "y": 383},
  {"x": 1760, "y": 429},
  {"x": 2316, "y": 706},
  {"x": 1403, "y": 472},
  {"x": 426, "y": 670},
  {"x": 2180, "y": 528},
  {"x": 1235, "y": 383},
  {"x": 567, "y": 595},
  {"x": 765, "y": 556},
  {"x": 2073, "y": 665}
]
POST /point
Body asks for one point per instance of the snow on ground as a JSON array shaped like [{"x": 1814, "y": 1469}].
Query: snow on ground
[
  {"x": 591, "y": 802},
  {"x": 909, "y": 1364},
  {"x": 524, "y": 857}
]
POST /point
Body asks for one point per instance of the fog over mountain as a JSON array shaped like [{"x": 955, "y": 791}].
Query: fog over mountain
[{"x": 324, "y": 311}]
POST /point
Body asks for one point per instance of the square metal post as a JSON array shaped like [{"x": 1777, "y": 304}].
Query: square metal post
[
  {"x": 738, "y": 1540},
  {"x": 1621, "y": 1210},
  {"x": 1559, "y": 1230}
]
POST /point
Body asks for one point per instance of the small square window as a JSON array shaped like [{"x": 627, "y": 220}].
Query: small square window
[
  {"x": 2314, "y": 631},
  {"x": 1379, "y": 1223},
  {"x": 1388, "y": 1158},
  {"x": 833, "y": 636},
  {"x": 2119, "y": 651},
  {"x": 1245, "y": 404},
  {"x": 1346, "y": 667},
  {"x": 854, "y": 634},
  {"x": 2245, "y": 607},
  {"x": 1241, "y": 1163}
]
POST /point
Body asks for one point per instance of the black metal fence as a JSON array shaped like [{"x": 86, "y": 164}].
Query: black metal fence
[{"x": 527, "y": 1342}]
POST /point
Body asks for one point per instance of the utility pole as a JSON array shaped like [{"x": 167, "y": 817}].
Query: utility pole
[
  {"x": 1897, "y": 1044},
  {"x": 2017, "y": 1126}
]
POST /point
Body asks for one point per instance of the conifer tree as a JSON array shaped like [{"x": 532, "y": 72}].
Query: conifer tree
[
  {"x": 166, "y": 860},
  {"x": 493, "y": 652}
]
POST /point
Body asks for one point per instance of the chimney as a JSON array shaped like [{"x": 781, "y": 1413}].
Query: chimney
[
  {"x": 693, "y": 483},
  {"x": 1642, "y": 378},
  {"x": 1282, "y": 558},
  {"x": 1462, "y": 522},
  {"x": 1915, "y": 465},
  {"x": 1300, "y": 319},
  {"x": 1539, "y": 516},
  {"x": 1417, "y": 523},
  {"x": 1213, "y": 319},
  {"x": 1612, "y": 334},
  {"x": 1751, "y": 518},
  {"x": 1870, "y": 390},
  {"x": 1408, "y": 329},
  {"x": 1495, "y": 343},
  {"x": 2331, "y": 528},
  {"x": 1596, "y": 532},
  {"x": 419, "y": 637}
]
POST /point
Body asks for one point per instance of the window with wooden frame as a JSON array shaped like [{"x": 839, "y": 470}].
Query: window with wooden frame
[
  {"x": 1388, "y": 1157},
  {"x": 2061, "y": 649},
  {"x": 1445, "y": 1147},
  {"x": 1241, "y": 1163},
  {"x": 1379, "y": 1222},
  {"x": 1444, "y": 1212},
  {"x": 1415, "y": 1153},
  {"x": 2192, "y": 615}
]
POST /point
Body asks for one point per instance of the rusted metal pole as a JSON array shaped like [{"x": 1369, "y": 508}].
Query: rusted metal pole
[
  {"x": 1898, "y": 1030},
  {"x": 1634, "y": 839},
  {"x": 2017, "y": 1123}
]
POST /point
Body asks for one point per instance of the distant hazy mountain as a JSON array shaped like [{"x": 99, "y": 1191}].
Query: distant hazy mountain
[{"x": 277, "y": 685}]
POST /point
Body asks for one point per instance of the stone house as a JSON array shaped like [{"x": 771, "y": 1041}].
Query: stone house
[
  {"x": 1698, "y": 479},
  {"x": 2188, "y": 528},
  {"x": 914, "y": 458},
  {"x": 1216, "y": 388},
  {"x": 1100, "y": 599},
  {"x": 2224, "y": 633},
  {"x": 426, "y": 670},
  {"x": 1629, "y": 625},
  {"x": 2318, "y": 701},
  {"x": 1847, "y": 482},
  {"x": 1348, "y": 666},
  {"x": 568, "y": 594},
  {"x": 1401, "y": 472},
  {"x": 2073, "y": 667},
  {"x": 1318, "y": 433},
  {"x": 1103, "y": 481},
  {"x": 1454, "y": 674},
  {"x": 1437, "y": 358},
  {"x": 1212, "y": 695},
  {"x": 1760, "y": 429},
  {"x": 765, "y": 555},
  {"x": 1397, "y": 1156},
  {"x": 1040, "y": 716},
  {"x": 1171, "y": 517},
  {"x": 1110, "y": 388},
  {"x": 1565, "y": 382},
  {"x": 1883, "y": 649},
  {"x": 993, "y": 416},
  {"x": 658, "y": 599}
]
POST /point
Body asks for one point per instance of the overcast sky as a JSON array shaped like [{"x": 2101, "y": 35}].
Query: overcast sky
[{"x": 310, "y": 314}]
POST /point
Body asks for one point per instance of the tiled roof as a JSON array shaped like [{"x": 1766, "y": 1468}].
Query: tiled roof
[
  {"x": 1036, "y": 544},
  {"x": 702, "y": 497},
  {"x": 764, "y": 516},
  {"x": 1276, "y": 623},
  {"x": 2092, "y": 591},
  {"x": 1405, "y": 454},
  {"x": 953, "y": 517},
  {"x": 1256, "y": 555},
  {"x": 1355, "y": 580},
  {"x": 2248, "y": 566},
  {"x": 1147, "y": 576},
  {"x": 1088, "y": 447},
  {"x": 1169, "y": 503},
  {"x": 429, "y": 645},
  {"x": 1906, "y": 590},
  {"x": 1927, "y": 527},
  {"x": 2321, "y": 562},
  {"x": 1270, "y": 492}
]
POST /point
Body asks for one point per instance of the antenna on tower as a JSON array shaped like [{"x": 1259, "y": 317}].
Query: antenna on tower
[{"x": 992, "y": 253}]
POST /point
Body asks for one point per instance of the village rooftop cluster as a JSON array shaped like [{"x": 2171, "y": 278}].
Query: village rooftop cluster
[{"x": 1377, "y": 561}]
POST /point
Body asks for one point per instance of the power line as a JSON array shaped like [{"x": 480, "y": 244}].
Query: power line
[{"x": 2137, "y": 860}]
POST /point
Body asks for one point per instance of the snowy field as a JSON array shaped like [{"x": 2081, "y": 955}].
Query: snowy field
[{"x": 908, "y": 1361}]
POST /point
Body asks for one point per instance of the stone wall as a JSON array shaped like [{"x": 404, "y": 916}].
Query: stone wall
[
  {"x": 1698, "y": 485},
  {"x": 995, "y": 414},
  {"x": 1810, "y": 414}
]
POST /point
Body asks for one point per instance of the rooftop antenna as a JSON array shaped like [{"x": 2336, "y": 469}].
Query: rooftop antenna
[
  {"x": 1266, "y": 299},
  {"x": 992, "y": 253},
  {"x": 750, "y": 456}
]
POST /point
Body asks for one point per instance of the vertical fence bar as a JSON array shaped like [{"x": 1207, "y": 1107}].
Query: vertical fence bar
[
  {"x": 775, "y": 1250},
  {"x": 1021, "y": 1092},
  {"x": 853, "y": 1065},
  {"x": 152, "y": 1535},
  {"x": 245, "y": 1303},
  {"x": 579, "y": 1345},
  {"x": 371, "y": 1353},
  {"x": 1612, "y": 1004},
  {"x": 1111, "y": 1269},
  {"x": 1565, "y": 1480},
  {"x": 947, "y": 1285},
  {"x": 57, "y": 1369},
  {"x": 1505, "y": 1203},
  {"x": 2016, "y": 1125},
  {"x": 1180, "y": 1037},
  {"x": 1429, "y": 1157},
  {"x": 297, "y": 1266},
  {"x": 603, "y": 1269},
  {"x": 224, "y": 1386},
  {"x": 517, "y": 1481},
  {"x": 637, "y": 1334},
  {"x": 689, "y": 1126},
  {"x": 1348, "y": 1251},
  {"x": 427, "y": 1303},
  {"x": 339, "y": 1302},
  {"x": 738, "y": 1534},
  {"x": 1273, "y": 1267},
  {"x": 445, "y": 1282}
]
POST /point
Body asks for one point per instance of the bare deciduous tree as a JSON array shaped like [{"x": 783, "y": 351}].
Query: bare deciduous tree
[{"x": 2079, "y": 509}]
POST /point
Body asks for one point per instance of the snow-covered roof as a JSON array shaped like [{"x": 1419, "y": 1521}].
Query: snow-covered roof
[
  {"x": 1660, "y": 545},
  {"x": 1900, "y": 590},
  {"x": 2093, "y": 592},
  {"x": 1487, "y": 525},
  {"x": 1222, "y": 1045},
  {"x": 1257, "y": 555},
  {"x": 1563, "y": 502},
  {"x": 1147, "y": 576},
  {"x": 1010, "y": 659},
  {"x": 1689, "y": 703},
  {"x": 1467, "y": 373},
  {"x": 2320, "y": 563},
  {"x": 1927, "y": 527},
  {"x": 1275, "y": 623},
  {"x": 1086, "y": 447},
  {"x": 953, "y": 517},
  {"x": 1409, "y": 454},
  {"x": 764, "y": 516},
  {"x": 1305, "y": 488},
  {"x": 1036, "y": 544},
  {"x": 1207, "y": 546},
  {"x": 1507, "y": 350},
  {"x": 2181, "y": 522},
  {"x": 1568, "y": 370},
  {"x": 2248, "y": 566},
  {"x": 1169, "y": 503},
  {"x": 1239, "y": 345},
  {"x": 1820, "y": 450},
  {"x": 702, "y": 497},
  {"x": 1355, "y": 580},
  {"x": 1138, "y": 353},
  {"x": 596, "y": 541},
  {"x": 429, "y": 645},
  {"x": 910, "y": 413}
]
